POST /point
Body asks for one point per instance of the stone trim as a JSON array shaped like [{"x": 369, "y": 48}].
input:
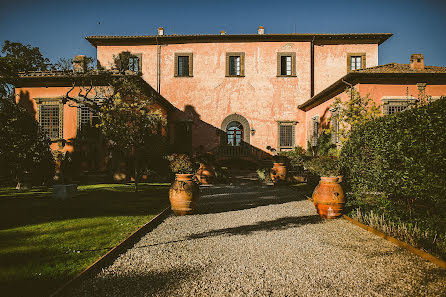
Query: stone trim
[
  {"x": 396, "y": 101},
  {"x": 293, "y": 134},
  {"x": 191, "y": 62},
  {"x": 242, "y": 120},
  {"x": 349, "y": 60},
  {"x": 242, "y": 63},
  {"x": 51, "y": 101},
  {"x": 293, "y": 63}
]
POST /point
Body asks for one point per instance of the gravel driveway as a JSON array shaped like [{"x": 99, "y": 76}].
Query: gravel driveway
[{"x": 253, "y": 240}]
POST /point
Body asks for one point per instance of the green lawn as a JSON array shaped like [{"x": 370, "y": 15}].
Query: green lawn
[{"x": 45, "y": 242}]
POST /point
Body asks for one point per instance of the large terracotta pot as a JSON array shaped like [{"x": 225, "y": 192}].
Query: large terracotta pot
[
  {"x": 278, "y": 173},
  {"x": 328, "y": 198},
  {"x": 183, "y": 194},
  {"x": 205, "y": 174}
]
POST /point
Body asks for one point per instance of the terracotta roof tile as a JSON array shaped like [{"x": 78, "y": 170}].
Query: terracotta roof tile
[{"x": 400, "y": 68}]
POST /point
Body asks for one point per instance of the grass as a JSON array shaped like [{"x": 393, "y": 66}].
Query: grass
[{"x": 45, "y": 242}]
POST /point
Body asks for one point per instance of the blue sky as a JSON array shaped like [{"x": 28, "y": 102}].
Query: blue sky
[{"x": 59, "y": 28}]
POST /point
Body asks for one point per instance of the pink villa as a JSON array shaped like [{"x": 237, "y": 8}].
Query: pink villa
[{"x": 234, "y": 95}]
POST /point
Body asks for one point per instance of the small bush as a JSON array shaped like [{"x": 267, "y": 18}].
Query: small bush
[
  {"x": 296, "y": 158},
  {"x": 264, "y": 174}
]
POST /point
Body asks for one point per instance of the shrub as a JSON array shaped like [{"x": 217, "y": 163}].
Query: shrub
[
  {"x": 264, "y": 174},
  {"x": 323, "y": 166},
  {"x": 296, "y": 158},
  {"x": 396, "y": 165}
]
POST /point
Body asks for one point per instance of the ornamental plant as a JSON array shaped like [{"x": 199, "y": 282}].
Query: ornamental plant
[
  {"x": 351, "y": 113},
  {"x": 325, "y": 166},
  {"x": 181, "y": 164}
]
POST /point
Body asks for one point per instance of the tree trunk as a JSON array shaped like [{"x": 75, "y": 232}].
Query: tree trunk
[{"x": 135, "y": 166}]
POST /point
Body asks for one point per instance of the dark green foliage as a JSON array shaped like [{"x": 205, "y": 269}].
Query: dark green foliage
[
  {"x": 323, "y": 166},
  {"x": 396, "y": 165},
  {"x": 15, "y": 58},
  {"x": 24, "y": 152},
  {"x": 296, "y": 158}
]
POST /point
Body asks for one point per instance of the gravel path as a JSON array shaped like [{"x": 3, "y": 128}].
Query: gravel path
[{"x": 254, "y": 240}]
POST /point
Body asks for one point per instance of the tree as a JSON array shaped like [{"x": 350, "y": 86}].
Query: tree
[
  {"x": 23, "y": 149},
  {"x": 134, "y": 128},
  {"x": 16, "y": 58},
  {"x": 353, "y": 112}
]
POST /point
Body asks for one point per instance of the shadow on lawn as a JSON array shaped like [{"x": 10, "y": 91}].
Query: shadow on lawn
[{"x": 35, "y": 207}]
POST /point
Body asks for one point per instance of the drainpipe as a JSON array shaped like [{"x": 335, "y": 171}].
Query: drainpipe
[
  {"x": 158, "y": 66},
  {"x": 312, "y": 67},
  {"x": 351, "y": 87}
]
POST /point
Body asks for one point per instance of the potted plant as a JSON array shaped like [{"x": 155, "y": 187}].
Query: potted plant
[
  {"x": 279, "y": 170},
  {"x": 206, "y": 172},
  {"x": 184, "y": 191},
  {"x": 328, "y": 196}
]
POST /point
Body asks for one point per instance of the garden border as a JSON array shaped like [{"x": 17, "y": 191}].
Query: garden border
[
  {"x": 413, "y": 250},
  {"x": 112, "y": 254}
]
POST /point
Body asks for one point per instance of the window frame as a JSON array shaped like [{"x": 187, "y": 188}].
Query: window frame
[
  {"x": 79, "y": 126},
  {"x": 293, "y": 64},
  {"x": 51, "y": 102},
  {"x": 396, "y": 101},
  {"x": 363, "y": 61},
  {"x": 242, "y": 63},
  {"x": 191, "y": 57},
  {"x": 291, "y": 124}
]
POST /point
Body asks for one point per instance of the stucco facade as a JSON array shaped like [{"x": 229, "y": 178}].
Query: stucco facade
[{"x": 261, "y": 96}]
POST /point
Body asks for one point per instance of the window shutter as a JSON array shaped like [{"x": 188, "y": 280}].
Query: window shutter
[
  {"x": 227, "y": 64},
  {"x": 363, "y": 65},
  {"x": 279, "y": 64},
  {"x": 242, "y": 64},
  {"x": 293, "y": 64},
  {"x": 191, "y": 60},
  {"x": 349, "y": 63},
  {"x": 176, "y": 65}
]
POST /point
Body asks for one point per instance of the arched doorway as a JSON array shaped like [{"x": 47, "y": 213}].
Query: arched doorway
[{"x": 237, "y": 130}]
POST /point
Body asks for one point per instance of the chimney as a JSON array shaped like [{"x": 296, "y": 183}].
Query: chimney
[
  {"x": 261, "y": 30},
  {"x": 160, "y": 31},
  {"x": 222, "y": 32},
  {"x": 79, "y": 64},
  {"x": 417, "y": 62}
]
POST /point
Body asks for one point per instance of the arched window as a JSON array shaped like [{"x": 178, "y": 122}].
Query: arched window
[{"x": 234, "y": 133}]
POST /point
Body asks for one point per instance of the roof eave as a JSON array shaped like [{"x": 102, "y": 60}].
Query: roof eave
[{"x": 354, "y": 78}]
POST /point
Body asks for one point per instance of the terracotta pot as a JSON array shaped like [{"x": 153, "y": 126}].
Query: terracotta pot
[
  {"x": 205, "y": 174},
  {"x": 328, "y": 198},
  {"x": 183, "y": 194},
  {"x": 278, "y": 173}
]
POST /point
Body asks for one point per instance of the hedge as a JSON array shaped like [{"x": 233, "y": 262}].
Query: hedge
[{"x": 397, "y": 163}]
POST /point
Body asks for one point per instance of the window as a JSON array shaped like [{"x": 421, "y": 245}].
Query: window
[
  {"x": 235, "y": 64},
  {"x": 134, "y": 64},
  {"x": 286, "y": 64},
  {"x": 130, "y": 61},
  {"x": 286, "y": 134},
  {"x": 356, "y": 61},
  {"x": 234, "y": 133},
  {"x": 183, "y": 64},
  {"x": 396, "y": 104},
  {"x": 86, "y": 117},
  {"x": 50, "y": 115}
]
